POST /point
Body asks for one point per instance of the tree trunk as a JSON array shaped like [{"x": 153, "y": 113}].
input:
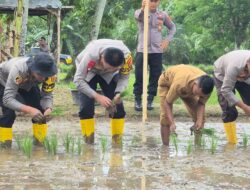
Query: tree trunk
[
  {"x": 98, "y": 19},
  {"x": 24, "y": 27},
  {"x": 18, "y": 26}
]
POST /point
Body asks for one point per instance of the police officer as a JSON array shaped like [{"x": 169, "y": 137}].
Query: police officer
[
  {"x": 108, "y": 63},
  {"x": 156, "y": 45},
  {"x": 232, "y": 72},
  {"x": 19, "y": 91}
]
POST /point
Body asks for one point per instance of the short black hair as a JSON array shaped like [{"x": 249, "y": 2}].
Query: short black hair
[
  {"x": 43, "y": 38},
  {"x": 206, "y": 83},
  {"x": 113, "y": 56}
]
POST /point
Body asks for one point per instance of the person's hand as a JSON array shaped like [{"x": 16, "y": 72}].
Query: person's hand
[
  {"x": 143, "y": 4},
  {"x": 164, "y": 44},
  {"x": 47, "y": 112},
  {"x": 117, "y": 99},
  {"x": 247, "y": 110},
  {"x": 103, "y": 100},
  {"x": 198, "y": 126},
  {"x": 38, "y": 117},
  {"x": 172, "y": 128}
]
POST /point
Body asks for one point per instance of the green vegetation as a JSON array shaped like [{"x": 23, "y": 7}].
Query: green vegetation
[
  {"x": 214, "y": 143},
  {"x": 18, "y": 139},
  {"x": 57, "y": 111},
  {"x": 104, "y": 143},
  {"x": 189, "y": 146},
  {"x": 67, "y": 141},
  {"x": 80, "y": 145},
  {"x": 174, "y": 140},
  {"x": 245, "y": 139},
  {"x": 51, "y": 144},
  {"x": 26, "y": 146}
]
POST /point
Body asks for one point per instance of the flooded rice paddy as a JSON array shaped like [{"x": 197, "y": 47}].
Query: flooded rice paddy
[{"x": 141, "y": 163}]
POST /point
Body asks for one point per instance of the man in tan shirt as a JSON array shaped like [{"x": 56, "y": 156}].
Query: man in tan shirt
[{"x": 193, "y": 86}]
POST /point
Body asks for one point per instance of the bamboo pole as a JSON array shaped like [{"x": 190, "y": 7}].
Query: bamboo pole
[
  {"x": 18, "y": 27},
  {"x": 58, "y": 36},
  {"x": 145, "y": 64}
]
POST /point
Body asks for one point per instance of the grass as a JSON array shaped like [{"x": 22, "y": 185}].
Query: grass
[
  {"x": 57, "y": 111},
  {"x": 51, "y": 144},
  {"x": 208, "y": 132},
  {"x": 79, "y": 146},
  {"x": 189, "y": 146},
  {"x": 174, "y": 141},
  {"x": 72, "y": 147},
  {"x": 67, "y": 140},
  {"x": 18, "y": 139},
  {"x": 104, "y": 143},
  {"x": 245, "y": 139},
  {"x": 214, "y": 143},
  {"x": 27, "y": 145}
]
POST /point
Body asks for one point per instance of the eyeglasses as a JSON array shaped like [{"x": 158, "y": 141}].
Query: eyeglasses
[{"x": 154, "y": 1}]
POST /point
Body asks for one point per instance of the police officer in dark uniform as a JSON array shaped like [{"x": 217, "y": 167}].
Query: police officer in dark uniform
[{"x": 19, "y": 91}]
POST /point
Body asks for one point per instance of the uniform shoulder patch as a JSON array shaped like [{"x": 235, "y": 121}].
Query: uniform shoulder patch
[
  {"x": 128, "y": 65},
  {"x": 49, "y": 84}
]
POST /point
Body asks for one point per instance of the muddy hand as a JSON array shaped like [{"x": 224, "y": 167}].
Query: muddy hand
[
  {"x": 111, "y": 110},
  {"x": 39, "y": 118},
  {"x": 117, "y": 99},
  {"x": 47, "y": 114}
]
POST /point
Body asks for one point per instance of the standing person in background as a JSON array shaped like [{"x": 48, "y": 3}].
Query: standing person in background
[
  {"x": 108, "y": 63},
  {"x": 43, "y": 45},
  {"x": 157, "y": 45},
  {"x": 232, "y": 72}
]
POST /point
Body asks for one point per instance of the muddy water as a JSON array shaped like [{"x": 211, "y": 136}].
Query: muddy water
[{"x": 141, "y": 163}]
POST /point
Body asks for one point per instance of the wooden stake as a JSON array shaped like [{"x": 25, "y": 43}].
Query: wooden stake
[
  {"x": 58, "y": 36},
  {"x": 145, "y": 64}
]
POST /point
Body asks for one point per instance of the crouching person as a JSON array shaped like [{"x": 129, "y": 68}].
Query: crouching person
[
  {"x": 192, "y": 86},
  {"x": 19, "y": 91},
  {"x": 232, "y": 72},
  {"x": 107, "y": 63}
]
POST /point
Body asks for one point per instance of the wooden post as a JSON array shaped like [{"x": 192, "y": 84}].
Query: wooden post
[
  {"x": 145, "y": 64},
  {"x": 24, "y": 27},
  {"x": 18, "y": 26},
  {"x": 58, "y": 36}
]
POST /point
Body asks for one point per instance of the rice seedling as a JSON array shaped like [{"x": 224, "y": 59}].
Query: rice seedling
[
  {"x": 190, "y": 146},
  {"x": 208, "y": 132},
  {"x": 67, "y": 141},
  {"x": 79, "y": 146},
  {"x": 27, "y": 145},
  {"x": 18, "y": 141},
  {"x": 174, "y": 140},
  {"x": 104, "y": 143},
  {"x": 214, "y": 143},
  {"x": 203, "y": 142},
  {"x": 51, "y": 144},
  {"x": 245, "y": 139},
  {"x": 72, "y": 147}
]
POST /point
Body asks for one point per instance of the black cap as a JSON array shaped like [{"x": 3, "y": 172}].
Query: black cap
[{"x": 43, "y": 64}]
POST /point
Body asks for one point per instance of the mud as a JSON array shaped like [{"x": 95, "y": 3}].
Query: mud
[{"x": 141, "y": 163}]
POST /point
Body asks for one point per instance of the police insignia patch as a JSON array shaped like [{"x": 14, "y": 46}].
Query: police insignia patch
[
  {"x": 127, "y": 66},
  {"x": 18, "y": 80}
]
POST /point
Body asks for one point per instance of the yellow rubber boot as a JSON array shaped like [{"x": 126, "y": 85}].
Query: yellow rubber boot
[
  {"x": 230, "y": 129},
  {"x": 117, "y": 127},
  {"x": 6, "y": 136},
  {"x": 39, "y": 132},
  {"x": 88, "y": 130}
]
